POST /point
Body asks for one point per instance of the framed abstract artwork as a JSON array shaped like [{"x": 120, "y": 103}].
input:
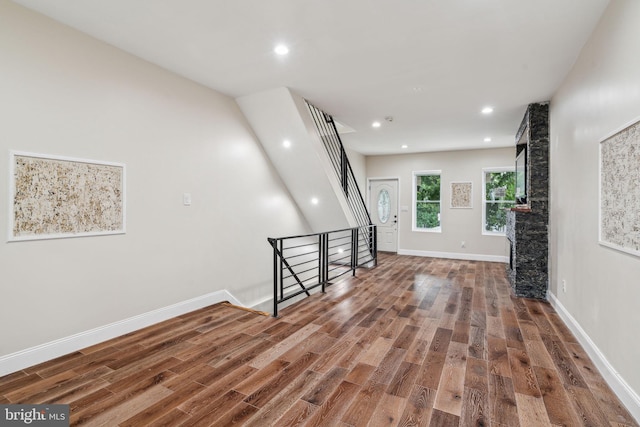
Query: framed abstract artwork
[
  {"x": 57, "y": 197},
  {"x": 461, "y": 195},
  {"x": 619, "y": 226}
]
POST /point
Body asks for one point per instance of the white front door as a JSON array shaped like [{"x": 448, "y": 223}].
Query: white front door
[{"x": 383, "y": 205}]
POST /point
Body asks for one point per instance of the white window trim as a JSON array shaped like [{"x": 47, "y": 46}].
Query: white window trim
[
  {"x": 484, "y": 200},
  {"x": 414, "y": 202}
]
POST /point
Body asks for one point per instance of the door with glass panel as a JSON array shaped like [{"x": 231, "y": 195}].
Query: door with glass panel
[{"x": 383, "y": 205}]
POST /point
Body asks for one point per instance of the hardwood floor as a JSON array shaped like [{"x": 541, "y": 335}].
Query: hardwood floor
[{"x": 414, "y": 341}]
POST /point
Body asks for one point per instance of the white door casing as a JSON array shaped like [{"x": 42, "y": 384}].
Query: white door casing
[{"x": 383, "y": 205}]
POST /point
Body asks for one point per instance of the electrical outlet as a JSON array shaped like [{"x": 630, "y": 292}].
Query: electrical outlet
[
  {"x": 462, "y": 245},
  {"x": 564, "y": 286}
]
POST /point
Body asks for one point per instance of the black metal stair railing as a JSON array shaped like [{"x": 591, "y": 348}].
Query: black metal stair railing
[
  {"x": 335, "y": 149},
  {"x": 304, "y": 263}
]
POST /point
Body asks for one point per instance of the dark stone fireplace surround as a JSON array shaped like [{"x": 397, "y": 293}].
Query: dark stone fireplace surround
[{"x": 528, "y": 226}]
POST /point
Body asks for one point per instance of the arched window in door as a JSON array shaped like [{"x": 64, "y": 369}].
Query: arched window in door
[{"x": 384, "y": 206}]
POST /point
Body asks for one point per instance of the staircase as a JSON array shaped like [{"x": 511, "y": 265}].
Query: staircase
[
  {"x": 312, "y": 163},
  {"x": 328, "y": 132},
  {"x": 314, "y": 166}
]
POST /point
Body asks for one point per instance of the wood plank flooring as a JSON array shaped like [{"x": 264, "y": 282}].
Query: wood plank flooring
[{"x": 412, "y": 342}]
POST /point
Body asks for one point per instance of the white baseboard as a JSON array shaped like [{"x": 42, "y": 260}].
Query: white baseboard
[
  {"x": 455, "y": 255},
  {"x": 625, "y": 393},
  {"x": 32, "y": 356}
]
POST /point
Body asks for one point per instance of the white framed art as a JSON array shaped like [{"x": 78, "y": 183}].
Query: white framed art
[
  {"x": 619, "y": 216},
  {"x": 53, "y": 197},
  {"x": 461, "y": 195}
]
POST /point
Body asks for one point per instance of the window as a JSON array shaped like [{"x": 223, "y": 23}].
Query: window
[
  {"x": 384, "y": 206},
  {"x": 426, "y": 196},
  {"x": 499, "y": 194}
]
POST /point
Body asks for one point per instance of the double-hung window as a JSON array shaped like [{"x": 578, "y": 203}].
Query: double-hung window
[
  {"x": 499, "y": 195},
  {"x": 426, "y": 198}
]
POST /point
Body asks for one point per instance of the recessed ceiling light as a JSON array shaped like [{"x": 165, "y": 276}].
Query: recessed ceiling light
[
  {"x": 281, "y": 49},
  {"x": 375, "y": 124},
  {"x": 315, "y": 200},
  {"x": 487, "y": 110},
  {"x": 487, "y": 139},
  {"x": 405, "y": 146},
  {"x": 286, "y": 143}
]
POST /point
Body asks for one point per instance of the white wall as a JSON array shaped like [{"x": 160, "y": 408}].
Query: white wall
[
  {"x": 457, "y": 224},
  {"x": 67, "y": 94},
  {"x": 358, "y": 163},
  {"x": 306, "y": 169},
  {"x": 601, "y": 94}
]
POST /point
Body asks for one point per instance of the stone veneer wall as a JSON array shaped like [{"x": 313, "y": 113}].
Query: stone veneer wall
[{"x": 528, "y": 229}]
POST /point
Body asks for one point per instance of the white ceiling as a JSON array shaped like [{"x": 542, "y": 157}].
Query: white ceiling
[{"x": 430, "y": 64}]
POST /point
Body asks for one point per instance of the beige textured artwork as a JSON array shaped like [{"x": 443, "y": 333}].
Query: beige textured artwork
[
  {"x": 461, "y": 194},
  {"x": 58, "y": 197},
  {"x": 620, "y": 190}
]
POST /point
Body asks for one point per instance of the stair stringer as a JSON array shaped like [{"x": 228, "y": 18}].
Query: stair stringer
[{"x": 277, "y": 115}]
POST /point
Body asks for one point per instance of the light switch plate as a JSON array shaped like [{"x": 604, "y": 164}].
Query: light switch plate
[{"x": 186, "y": 199}]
